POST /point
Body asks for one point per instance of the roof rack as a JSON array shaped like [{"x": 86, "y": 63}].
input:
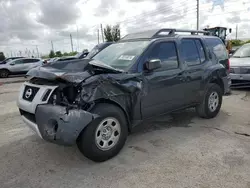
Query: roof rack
[{"x": 157, "y": 33}]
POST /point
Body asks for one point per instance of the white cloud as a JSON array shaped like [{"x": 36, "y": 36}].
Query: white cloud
[{"x": 27, "y": 23}]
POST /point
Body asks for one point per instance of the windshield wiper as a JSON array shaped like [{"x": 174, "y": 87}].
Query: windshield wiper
[{"x": 103, "y": 65}]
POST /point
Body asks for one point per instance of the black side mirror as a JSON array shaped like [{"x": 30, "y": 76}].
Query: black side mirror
[
  {"x": 230, "y": 30},
  {"x": 12, "y": 63},
  {"x": 153, "y": 64}
]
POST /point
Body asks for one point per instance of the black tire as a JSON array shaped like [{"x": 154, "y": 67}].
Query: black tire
[
  {"x": 86, "y": 140},
  {"x": 4, "y": 73},
  {"x": 203, "y": 109}
]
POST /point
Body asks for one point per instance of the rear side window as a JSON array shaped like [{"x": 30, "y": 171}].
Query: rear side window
[
  {"x": 200, "y": 50},
  {"x": 190, "y": 52},
  {"x": 31, "y": 60},
  {"x": 167, "y": 53},
  {"x": 217, "y": 47}
]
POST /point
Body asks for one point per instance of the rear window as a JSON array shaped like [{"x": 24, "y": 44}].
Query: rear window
[{"x": 217, "y": 47}]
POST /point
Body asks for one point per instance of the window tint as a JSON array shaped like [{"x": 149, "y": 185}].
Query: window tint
[
  {"x": 166, "y": 52},
  {"x": 19, "y": 61},
  {"x": 190, "y": 52},
  {"x": 217, "y": 47},
  {"x": 30, "y": 60},
  {"x": 200, "y": 50}
]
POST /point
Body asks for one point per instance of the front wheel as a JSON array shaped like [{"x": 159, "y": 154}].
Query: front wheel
[
  {"x": 104, "y": 137},
  {"x": 211, "y": 103}
]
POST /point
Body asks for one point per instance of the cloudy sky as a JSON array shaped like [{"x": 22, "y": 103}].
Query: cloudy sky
[{"x": 27, "y": 24}]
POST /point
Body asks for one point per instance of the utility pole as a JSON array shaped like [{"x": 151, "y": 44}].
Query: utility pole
[
  {"x": 236, "y": 34},
  {"x": 198, "y": 15},
  {"x": 37, "y": 51},
  {"x": 77, "y": 38},
  {"x": 11, "y": 54},
  {"x": 102, "y": 33},
  {"x": 52, "y": 46},
  {"x": 98, "y": 36},
  {"x": 71, "y": 43}
]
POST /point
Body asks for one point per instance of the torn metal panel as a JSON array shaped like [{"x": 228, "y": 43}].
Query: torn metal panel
[
  {"x": 61, "y": 126},
  {"x": 82, "y": 84},
  {"x": 124, "y": 89}
]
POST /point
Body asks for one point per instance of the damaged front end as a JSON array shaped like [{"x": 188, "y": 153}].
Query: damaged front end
[{"x": 67, "y": 111}]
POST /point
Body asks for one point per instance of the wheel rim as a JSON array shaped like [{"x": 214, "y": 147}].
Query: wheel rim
[
  {"x": 213, "y": 101},
  {"x": 107, "y": 133},
  {"x": 3, "y": 74}
]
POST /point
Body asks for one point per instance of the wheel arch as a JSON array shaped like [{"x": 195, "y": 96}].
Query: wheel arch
[
  {"x": 109, "y": 101},
  {"x": 5, "y": 69}
]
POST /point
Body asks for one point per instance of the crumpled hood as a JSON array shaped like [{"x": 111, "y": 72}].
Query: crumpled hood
[{"x": 73, "y": 71}]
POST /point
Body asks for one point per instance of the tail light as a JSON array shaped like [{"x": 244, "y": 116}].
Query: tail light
[{"x": 228, "y": 64}]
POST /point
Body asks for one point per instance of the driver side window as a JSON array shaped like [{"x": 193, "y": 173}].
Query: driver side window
[{"x": 167, "y": 53}]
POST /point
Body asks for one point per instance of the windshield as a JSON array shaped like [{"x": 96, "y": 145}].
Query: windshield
[
  {"x": 121, "y": 55},
  {"x": 243, "y": 51}
]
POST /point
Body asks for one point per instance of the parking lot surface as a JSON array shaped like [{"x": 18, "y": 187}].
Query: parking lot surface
[{"x": 179, "y": 151}]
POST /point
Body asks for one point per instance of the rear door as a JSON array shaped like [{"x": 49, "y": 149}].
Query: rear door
[
  {"x": 194, "y": 59},
  {"x": 31, "y": 63},
  {"x": 165, "y": 84}
]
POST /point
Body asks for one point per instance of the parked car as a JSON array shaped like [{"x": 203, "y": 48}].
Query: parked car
[
  {"x": 9, "y": 59},
  {"x": 67, "y": 58},
  {"x": 240, "y": 67},
  {"x": 96, "y": 102},
  {"x": 97, "y": 49},
  {"x": 19, "y": 66},
  {"x": 82, "y": 54}
]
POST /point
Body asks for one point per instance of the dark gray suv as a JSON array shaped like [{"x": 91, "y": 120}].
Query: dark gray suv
[{"x": 97, "y": 102}]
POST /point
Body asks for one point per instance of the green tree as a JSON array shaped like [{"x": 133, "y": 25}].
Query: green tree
[
  {"x": 237, "y": 42},
  {"x": 58, "y": 54},
  {"x": 2, "y": 57},
  {"x": 65, "y": 54},
  {"x": 72, "y": 53},
  {"x": 108, "y": 33},
  {"x": 51, "y": 54},
  {"x": 112, "y": 33},
  {"x": 116, "y": 33}
]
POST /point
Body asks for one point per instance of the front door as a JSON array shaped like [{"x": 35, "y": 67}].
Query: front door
[
  {"x": 17, "y": 66},
  {"x": 164, "y": 84}
]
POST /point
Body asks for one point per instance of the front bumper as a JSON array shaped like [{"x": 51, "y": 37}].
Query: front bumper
[
  {"x": 52, "y": 123},
  {"x": 240, "y": 80},
  {"x": 57, "y": 125}
]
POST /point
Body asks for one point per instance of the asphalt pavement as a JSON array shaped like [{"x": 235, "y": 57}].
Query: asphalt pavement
[
  {"x": 13, "y": 79},
  {"x": 176, "y": 151}
]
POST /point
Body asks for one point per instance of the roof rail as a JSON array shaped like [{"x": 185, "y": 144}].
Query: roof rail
[{"x": 157, "y": 33}]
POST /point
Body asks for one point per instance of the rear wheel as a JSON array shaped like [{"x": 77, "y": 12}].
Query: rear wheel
[
  {"x": 104, "y": 137},
  {"x": 4, "y": 73},
  {"x": 211, "y": 103}
]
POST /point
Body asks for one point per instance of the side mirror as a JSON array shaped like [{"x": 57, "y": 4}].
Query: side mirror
[
  {"x": 12, "y": 63},
  {"x": 153, "y": 64},
  {"x": 230, "y": 30}
]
